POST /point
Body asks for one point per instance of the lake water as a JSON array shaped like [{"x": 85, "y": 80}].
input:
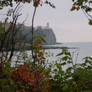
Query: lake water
[{"x": 82, "y": 50}]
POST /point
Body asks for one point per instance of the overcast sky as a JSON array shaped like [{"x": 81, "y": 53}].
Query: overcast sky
[{"x": 68, "y": 26}]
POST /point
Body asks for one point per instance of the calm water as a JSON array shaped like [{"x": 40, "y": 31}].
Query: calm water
[{"x": 82, "y": 50}]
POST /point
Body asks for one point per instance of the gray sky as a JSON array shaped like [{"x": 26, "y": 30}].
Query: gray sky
[{"x": 68, "y": 26}]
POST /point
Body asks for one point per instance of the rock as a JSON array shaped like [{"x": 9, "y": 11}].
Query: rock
[{"x": 24, "y": 34}]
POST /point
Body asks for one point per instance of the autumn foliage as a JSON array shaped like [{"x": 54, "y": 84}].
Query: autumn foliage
[{"x": 26, "y": 76}]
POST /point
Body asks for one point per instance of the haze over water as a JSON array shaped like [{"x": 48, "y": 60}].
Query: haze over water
[{"x": 84, "y": 49}]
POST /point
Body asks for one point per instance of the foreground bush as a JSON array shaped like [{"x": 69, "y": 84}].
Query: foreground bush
[
  {"x": 53, "y": 78},
  {"x": 22, "y": 79}
]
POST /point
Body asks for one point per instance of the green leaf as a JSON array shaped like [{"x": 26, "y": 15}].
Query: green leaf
[
  {"x": 69, "y": 62},
  {"x": 59, "y": 54},
  {"x": 73, "y": 8}
]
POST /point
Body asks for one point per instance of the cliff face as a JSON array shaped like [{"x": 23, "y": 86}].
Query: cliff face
[
  {"x": 24, "y": 34},
  {"x": 48, "y": 35}
]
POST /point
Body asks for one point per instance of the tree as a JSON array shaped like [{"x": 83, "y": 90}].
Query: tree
[
  {"x": 36, "y": 3},
  {"x": 7, "y": 36},
  {"x": 85, "y": 6},
  {"x": 38, "y": 54},
  {"x": 10, "y": 2}
]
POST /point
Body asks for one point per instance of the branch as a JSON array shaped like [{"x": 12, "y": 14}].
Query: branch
[{"x": 33, "y": 31}]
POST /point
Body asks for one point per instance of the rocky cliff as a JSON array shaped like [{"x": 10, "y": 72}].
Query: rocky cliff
[{"x": 24, "y": 34}]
